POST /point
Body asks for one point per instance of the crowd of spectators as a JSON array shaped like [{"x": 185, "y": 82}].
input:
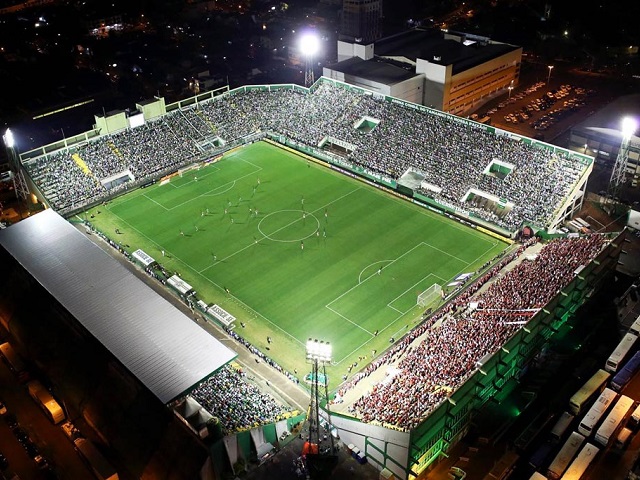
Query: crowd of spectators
[
  {"x": 450, "y": 153},
  {"x": 236, "y": 402},
  {"x": 468, "y": 328}
]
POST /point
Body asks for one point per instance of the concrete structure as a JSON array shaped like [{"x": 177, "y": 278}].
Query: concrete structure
[{"x": 452, "y": 72}]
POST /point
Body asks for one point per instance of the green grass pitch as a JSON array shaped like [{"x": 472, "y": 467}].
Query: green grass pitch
[{"x": 326, "y": 256}]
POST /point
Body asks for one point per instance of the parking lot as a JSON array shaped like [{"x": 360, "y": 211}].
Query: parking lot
[
  {"x": 575, "y": 95},
  {"x": 538, "y": 108}
]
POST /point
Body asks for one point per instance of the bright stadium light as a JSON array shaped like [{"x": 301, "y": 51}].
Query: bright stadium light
[
  {"x": 309, "y": 45},
  {"x": 8, "y": 138},
  {"x": 629, "y": 126},
  {"x": 318, "y": 350}
]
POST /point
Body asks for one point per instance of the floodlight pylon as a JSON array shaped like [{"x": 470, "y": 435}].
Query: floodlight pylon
[
  {"x": 629, "y": 127},
  {"x": 318, "y": 353},
  {"x": 20, "y": 186}
]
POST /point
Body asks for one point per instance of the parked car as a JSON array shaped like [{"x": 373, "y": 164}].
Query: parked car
[{"x": 11, "y": 420}]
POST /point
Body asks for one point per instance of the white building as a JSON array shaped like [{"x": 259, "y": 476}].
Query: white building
[{"x": 453, "y": 72}]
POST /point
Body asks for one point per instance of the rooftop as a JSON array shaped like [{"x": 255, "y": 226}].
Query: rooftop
[
  {"x": 155, "y": 341},
  {"x": 433, "y": 46},
  {"x": 378, "y": 70}
]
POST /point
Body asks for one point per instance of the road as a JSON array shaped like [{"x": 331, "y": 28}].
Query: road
[{"x": 50, "y": 439}]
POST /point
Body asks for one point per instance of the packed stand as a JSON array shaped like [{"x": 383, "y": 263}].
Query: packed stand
[
  {"x": 236, "y": 402},
  {"x": 447, "y": 355},
  {"x": 449, "y": 153}
]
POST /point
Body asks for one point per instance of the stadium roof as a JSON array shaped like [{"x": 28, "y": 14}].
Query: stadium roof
[
  {"x": 160, "y": 345},
  {"x": 377, "y": 70},
  {"x": 432, "y": 44}
]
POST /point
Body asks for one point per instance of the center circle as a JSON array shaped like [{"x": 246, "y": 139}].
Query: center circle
[{"x": 288, "y": 225}]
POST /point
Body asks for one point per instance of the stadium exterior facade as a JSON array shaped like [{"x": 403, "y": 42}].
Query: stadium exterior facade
[{"x": 408, "y": 454}]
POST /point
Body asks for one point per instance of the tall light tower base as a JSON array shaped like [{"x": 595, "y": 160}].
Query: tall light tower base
[{"x": 319, "y": 449}]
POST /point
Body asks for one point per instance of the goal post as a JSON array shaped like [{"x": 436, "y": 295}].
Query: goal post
[{"x": 429, "y": 295}]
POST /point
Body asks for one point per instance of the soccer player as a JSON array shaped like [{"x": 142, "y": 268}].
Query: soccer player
[
  {"x": 301, "y": 245},
  {"x": 379, "y": 270},
  {"x": 181, "y": 233}
]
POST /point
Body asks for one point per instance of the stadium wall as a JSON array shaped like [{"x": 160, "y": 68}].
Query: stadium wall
[{"x": 410, "y": 454}]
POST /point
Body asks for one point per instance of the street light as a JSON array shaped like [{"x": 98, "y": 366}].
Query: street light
[
  {"x": 550, "y": 67},
  {"x": 309, "y": 46},
  {"x": 510, "y": 88}
]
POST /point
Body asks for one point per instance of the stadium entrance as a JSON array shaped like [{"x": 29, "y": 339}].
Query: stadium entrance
[{"x": 478, "y": 200}]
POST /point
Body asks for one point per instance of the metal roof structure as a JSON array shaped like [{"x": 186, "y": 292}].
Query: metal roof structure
[{"x": 155, "y": 341}]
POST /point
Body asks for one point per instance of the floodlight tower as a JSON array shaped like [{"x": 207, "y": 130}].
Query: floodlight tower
[
  {"x": 629, "y": 126},
  {"x": 319, "y": 354},
  {"x": 309, "y": 46},
  {"x": 17, "y": 174}
]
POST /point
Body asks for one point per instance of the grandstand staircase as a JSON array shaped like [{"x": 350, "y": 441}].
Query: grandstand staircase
[{"x": 206, "y": 120}]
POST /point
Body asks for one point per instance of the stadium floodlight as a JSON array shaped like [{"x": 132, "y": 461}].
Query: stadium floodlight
[
  {"x": 9, "y": 139},
  {"x": 629, "y": 127},
  {"x": 309, "y": 45},
  {"x": 318, "y": 350}
]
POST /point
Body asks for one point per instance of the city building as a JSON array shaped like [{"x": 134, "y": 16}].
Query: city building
[
  {"x": 361, "y": 20},
  {"x": 450, "y": 71}
]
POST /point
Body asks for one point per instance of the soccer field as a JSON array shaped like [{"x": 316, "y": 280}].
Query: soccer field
[{"x": 304, "y": 251}]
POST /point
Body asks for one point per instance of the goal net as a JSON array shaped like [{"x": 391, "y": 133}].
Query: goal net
[{"x": 429, "y": 295}]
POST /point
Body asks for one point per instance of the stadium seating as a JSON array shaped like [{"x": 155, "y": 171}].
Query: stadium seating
[
  {"x": 450, "y": 154},
  {"x": 447, "y": 354}
]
